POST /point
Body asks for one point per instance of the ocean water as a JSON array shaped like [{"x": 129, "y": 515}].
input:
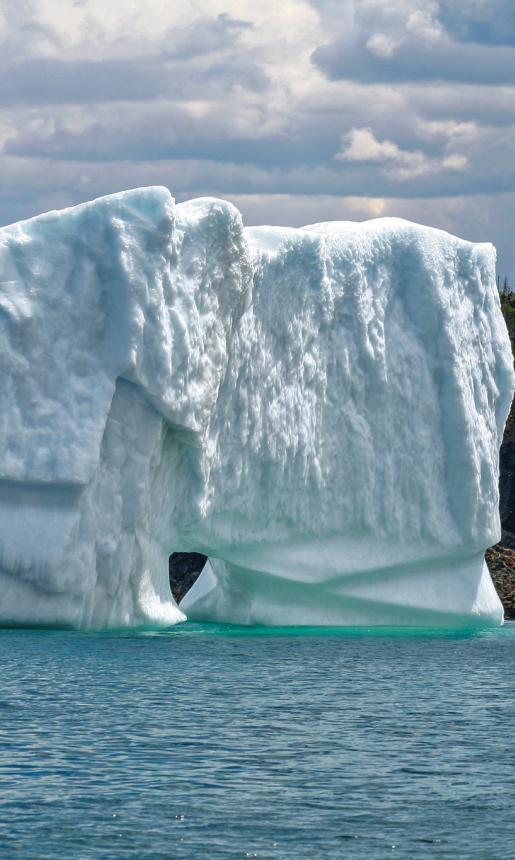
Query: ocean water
[{"x": 217, "y": 742}]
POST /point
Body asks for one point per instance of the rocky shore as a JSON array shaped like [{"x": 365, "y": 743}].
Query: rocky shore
[
  {"x": 501, "y": 563},
  {"x": 501, "y": 558}
]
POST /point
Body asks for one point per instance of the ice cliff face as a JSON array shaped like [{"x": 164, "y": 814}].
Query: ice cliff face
[{"x": 319, "y": 411}]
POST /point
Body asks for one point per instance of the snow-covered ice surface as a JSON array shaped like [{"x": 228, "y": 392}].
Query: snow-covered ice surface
[{"x": 318, "y": 410}]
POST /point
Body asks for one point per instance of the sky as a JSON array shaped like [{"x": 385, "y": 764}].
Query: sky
[{"x": 295, "y": 110}]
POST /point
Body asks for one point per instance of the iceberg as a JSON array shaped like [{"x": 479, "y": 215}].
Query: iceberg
[{"x": 318, "y": 410}]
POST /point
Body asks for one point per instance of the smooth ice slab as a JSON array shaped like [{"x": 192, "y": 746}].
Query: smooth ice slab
[{"x": 319, "y": 411}]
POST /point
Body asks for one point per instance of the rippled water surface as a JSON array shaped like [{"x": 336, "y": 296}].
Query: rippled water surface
[{"x": 212, "y": 742}]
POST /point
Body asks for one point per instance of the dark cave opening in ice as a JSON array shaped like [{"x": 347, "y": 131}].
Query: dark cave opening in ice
[{"x": 184, "y": 568}]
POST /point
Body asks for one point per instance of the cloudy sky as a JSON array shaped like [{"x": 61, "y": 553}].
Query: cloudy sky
[{"x": 296, "y": 110}]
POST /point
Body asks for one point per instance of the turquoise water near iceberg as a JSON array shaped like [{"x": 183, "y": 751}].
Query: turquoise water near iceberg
[{"x": 218, "y": 742}]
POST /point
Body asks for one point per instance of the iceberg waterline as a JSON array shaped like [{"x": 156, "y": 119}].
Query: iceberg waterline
[{"x": 318, "y": 410}]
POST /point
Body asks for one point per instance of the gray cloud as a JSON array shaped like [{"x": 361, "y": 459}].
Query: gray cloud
[
  {"x": 464, "y": 104},
  {"x": 45, "y": 80},
  {"x": 196, "y": 60},
  {"x": 487, "y": 22},
  {"x": 206, "y": 37},
  {"x": 414, "y": 114},
  {"x": 380, "y": 58},
  {"x": 22, "y": 35},
  {"x": 448, "y": 62}
]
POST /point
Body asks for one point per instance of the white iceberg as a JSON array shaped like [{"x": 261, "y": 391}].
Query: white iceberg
[{"x": 319, "y": 411}]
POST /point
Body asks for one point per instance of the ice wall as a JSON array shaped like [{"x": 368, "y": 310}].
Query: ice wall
[{"x": 319, "y": 411}]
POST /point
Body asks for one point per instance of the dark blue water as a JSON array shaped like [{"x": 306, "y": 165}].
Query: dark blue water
[{"x": 206, "y": 743}]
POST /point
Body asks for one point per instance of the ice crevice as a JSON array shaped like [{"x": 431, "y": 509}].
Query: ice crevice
[{"x": 318, "y": 410}]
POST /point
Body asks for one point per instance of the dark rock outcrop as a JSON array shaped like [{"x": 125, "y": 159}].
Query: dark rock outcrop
[
  {"x": 501, "y": 558},
  {"x": 507, "y": 477},
  {"x": 184, "y": 568},
  {"x": 501, "y": 563}
]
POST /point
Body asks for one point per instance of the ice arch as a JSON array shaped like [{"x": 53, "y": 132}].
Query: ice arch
[{"x": 319, "y": 411}]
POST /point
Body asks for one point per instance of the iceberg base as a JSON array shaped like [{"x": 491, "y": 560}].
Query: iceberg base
[{"x": 456, "y": 595}]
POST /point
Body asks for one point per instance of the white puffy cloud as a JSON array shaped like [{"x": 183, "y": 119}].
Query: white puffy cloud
[{"x": 360, "y": 145}]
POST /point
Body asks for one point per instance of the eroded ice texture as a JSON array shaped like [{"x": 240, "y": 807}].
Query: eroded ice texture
[{"x": 319, "y": 411}]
